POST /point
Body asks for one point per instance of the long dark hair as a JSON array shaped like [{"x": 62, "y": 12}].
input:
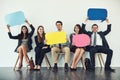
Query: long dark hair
[
  {"x": 40, "y": 39},
  {"x": 22, "y": 34},
  {"x": 80, "y": 29}
]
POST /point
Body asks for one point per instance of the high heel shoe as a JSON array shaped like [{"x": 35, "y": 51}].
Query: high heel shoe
[
  {"x": 35, "y": 68},
  {"x": 38, "y": 68},
  {"x": 19, "y": 68},
  {"x": 73, "y": 69}
]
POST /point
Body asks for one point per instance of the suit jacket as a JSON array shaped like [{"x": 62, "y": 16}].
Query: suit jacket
[
  {"x": 102, "y": 34},
  {"x": 20, "y": 40}
]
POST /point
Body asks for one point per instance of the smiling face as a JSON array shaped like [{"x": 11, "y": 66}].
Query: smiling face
[
  {"x": 59, "y": 25},
  {"x": 40, "y": 33},
  {"x": 94, "y": 28},
  {"x": 24, "y": 30},
  {"x": 40, "y": 30},
  {"x": 76, "y": 29}
]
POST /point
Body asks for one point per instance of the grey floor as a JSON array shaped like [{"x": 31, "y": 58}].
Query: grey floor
[{"x": 7, "y": 73}]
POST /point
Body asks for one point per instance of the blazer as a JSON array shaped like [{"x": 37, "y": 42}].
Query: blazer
[
  {"x": 102, "y": 34},
  {"x": 71, "y": 36},
  {"x": 20, "y": 40},
  {"x": 39, "y": 44}
]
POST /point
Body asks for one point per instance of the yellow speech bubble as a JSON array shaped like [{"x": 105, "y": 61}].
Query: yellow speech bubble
[{"x": 55, "y": 37}]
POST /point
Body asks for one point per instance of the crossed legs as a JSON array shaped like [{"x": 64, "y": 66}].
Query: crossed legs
[{"x": 22, "y": 53}]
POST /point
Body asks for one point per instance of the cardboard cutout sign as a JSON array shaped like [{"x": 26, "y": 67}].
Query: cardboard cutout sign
[
  {"x": 81, "y": 40},
  {"x": 97, "y": 14},
  {"x": 16, "y": 18},
  {"x": 55, "y": 37}
]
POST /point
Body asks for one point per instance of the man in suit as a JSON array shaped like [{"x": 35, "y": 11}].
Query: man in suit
[{"x": 99, "y": 45}]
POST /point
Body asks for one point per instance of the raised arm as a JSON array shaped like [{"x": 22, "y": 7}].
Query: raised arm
[
  {"x": 83, "y": 27},
  {"x": 108, "y": 27},
  {"x": 10, "y": 35},
  {"x": 32, "y": 28}
]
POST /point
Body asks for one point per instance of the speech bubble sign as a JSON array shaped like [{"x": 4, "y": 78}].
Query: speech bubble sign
[
  {"x": 16, "y": 18},
  {"x": 55, "y": 37},
  {"x": 97, "y": 14},
  {"x": 81, "y": 40}
]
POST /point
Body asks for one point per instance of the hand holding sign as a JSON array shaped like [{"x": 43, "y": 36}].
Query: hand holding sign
[
  {"x": 16, "y": 18},
  {"x": 97, "y": 14},
  {"x": 81, "y": 40},
  {"x": 55, "y": 38},
  {"x": 8, "y": 27}
]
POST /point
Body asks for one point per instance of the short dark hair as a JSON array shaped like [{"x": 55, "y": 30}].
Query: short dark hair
[
  {"x": 59, "y": 22},
  {"x": 94, "y": 25}
]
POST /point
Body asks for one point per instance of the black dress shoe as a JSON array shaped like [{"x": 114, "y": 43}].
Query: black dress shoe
[
  {"x": 55, "y": 68},
  {"x": 109, "y": 69},
  {"x": 66, "y": 67},
  {"x": 19, "y": 68},
  {"x": 91, "y": 69}
]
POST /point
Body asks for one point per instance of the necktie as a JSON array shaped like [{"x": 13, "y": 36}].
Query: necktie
[{"x": 94, "y": 42}]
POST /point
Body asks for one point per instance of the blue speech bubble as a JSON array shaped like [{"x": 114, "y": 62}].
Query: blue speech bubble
[
  {"x": 97, "y": 14},
  {"x": 16, "y": 18}
]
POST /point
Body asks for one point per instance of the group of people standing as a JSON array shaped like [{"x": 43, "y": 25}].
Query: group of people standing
[{"x": 98, "y": 44}]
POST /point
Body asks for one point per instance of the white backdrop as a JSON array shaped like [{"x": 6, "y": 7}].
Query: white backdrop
[{"x": 47, "y": 12}]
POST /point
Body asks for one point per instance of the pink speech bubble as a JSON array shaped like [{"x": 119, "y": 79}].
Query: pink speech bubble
[{"x": 81, "y": 40}]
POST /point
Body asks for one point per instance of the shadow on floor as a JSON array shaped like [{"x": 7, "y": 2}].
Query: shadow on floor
[{"x": 7, "y": 73}]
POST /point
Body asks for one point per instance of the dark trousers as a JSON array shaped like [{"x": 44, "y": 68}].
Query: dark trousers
[
  {"x": 39, "y": 54},
  {"x": 101, "y": 49}
]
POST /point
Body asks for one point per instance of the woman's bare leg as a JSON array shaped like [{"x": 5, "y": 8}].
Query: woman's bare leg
[
  {"x": 77, "y": 51},
  {"x": 24, "y": 50},
  {"x": 20, "y": 54},
  {"x": 79, "y": 56}
]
